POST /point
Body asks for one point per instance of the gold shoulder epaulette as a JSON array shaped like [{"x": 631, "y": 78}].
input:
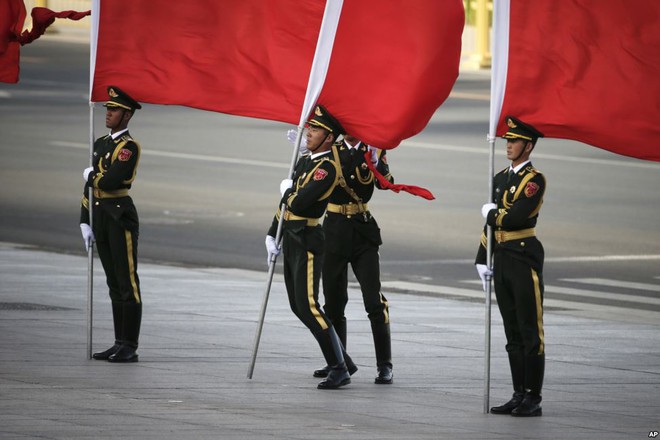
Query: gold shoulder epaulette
[{"x": 531, "y": 169}]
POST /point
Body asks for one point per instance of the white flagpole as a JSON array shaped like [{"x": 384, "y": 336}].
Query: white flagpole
[
  {"x": 93, "y": 38},
  {"x": 315, "y": 83},
  {"x": 500, "y": 57}
]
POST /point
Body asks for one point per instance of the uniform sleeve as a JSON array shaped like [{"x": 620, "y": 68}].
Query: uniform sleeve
[
  {"x": 482, "y": 250},
  {"x": 84, "y": 205},
  {"x": 316, "y": 186},
  {"x": 383, "y": 168},
  {"x": 526, "y": 203},
  {"x": 121, "y": 170}
]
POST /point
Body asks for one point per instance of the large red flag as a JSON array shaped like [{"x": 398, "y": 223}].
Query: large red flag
[
  {"x": 392, "y": 65},
  {"x": 12, "y": 17},
  {"x": 587, "y": 70}
]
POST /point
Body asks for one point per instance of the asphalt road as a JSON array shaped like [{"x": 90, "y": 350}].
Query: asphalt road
[{"x": 207, "y": 188}]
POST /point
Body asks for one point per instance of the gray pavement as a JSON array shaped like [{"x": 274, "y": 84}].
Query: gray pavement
[{"x": 602, "y": 380}]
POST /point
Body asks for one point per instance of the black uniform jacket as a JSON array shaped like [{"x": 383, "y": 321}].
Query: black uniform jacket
[
  {"x": 313, "y": 182},
  {"x": 519, "y": 201},
  {"x": 340, "y": 228},
  {"x": 115, "y": 164}
]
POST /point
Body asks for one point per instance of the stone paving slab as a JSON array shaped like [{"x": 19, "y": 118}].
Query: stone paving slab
[{"x": 602, "y": 380}]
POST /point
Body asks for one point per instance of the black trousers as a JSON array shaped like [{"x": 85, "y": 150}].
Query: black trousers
[
  {"x": 364, "y": 260},
  {"x": 302, "y": 250},
  {"x": 519, "y": 293},
  {"x": 117, "y": 248}
]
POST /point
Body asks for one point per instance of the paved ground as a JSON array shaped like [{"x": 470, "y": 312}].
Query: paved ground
[{"x": 602, "y": 382}]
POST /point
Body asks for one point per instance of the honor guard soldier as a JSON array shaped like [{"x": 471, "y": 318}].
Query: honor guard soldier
[
  {"x": 306, "y": 197},
  {"x": 353, "y": 236},
  {"x": 115, "y": 221},
  {"x": 518, "y": 267}
]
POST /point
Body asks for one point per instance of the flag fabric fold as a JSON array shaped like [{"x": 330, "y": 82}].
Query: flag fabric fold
[
  {"x": 44, "y": 17},
  {"x": 396, "y": 187},
  {"x": 586, "y": 70},
  {"x": 12, "y": 18},
  {"x": 392, "y": 64},
  {"x": 12, "y": 36}
]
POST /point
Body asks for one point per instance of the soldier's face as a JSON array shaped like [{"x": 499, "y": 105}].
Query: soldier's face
[
  {"x": 514, "y": 148},
  {"x": 113, "y": 117},
  {"x": 315, "y": 137}
]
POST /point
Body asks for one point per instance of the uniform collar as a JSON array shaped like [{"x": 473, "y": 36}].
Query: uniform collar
[
  {"x": 315, "y": 155},
  {"x": 119, "y": 133},
  {"x": 519, "y": 167}
]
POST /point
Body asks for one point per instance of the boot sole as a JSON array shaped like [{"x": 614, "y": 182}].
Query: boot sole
[
  {"x": 334, "y": 387},
  {"x": 124, "y": 361},
  {"x": 538, "y": 413}
]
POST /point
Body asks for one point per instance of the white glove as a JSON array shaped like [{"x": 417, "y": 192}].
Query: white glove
[
  {"x": 87, "y": 172},
  {"x": 284, "y": 185},
  {"x": 271, "y": 247},
  {"x": 483, "y": 273},
  {"x": 487, "y": 208},
  {"x": 291, "y": 135},
  {"x": 87, "y": 234},
  {"x": 374, "y": 155}
]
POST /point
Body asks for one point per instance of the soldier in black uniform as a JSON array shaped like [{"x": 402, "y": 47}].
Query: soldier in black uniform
[
  {"x": 353, "y": 236},
  {"x": 518, "y": 267},
  {"x": 302, "y": 240},
  {"x": 115, "y": 158}
]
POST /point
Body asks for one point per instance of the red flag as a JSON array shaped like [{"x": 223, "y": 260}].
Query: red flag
[
  {"x": 44, "y": 17},
  {"x": 12, "y": 17},
  {"x": 587, "y": 70},
  {"x": 242, "y": 57},
  {"x": 392, "y": 65}
]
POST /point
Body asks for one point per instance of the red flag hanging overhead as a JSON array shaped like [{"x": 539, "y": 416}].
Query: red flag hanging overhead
[
  {"x": 392, "y": 65},
  {"x": 242, "y": 57},
  {"x": 587, "y": 70},
  {"x": 12, "y": 36},
  {"x": 12, "y": 17}
]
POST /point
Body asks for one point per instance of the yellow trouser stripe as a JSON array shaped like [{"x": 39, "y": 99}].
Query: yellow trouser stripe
[
  {"x": 310, "y": 292},
  {"x": 386, "y": 310},
  {"x": 539, "y": 310},
  {"x": 131, "y": 265}
]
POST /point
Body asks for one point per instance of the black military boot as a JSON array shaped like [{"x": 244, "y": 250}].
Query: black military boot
[
  {"x": 383, "y": 347},
  {"x": 117, "y": 322},
  {"x": 331, "y": 346},
  {"x": 340, "y": 328},
  {"x": 534, "y": 372},
  {"x": 512, "y": 404},
  {"x": 131, "y": 332},
  {"x": 517, "y": 365}
]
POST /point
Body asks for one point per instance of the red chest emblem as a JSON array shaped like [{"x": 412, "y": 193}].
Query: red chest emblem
[
  {"x": 320, "y": 174},
  {"x": 124, "y": 154},
  {"x": 531, "y": 189}
]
